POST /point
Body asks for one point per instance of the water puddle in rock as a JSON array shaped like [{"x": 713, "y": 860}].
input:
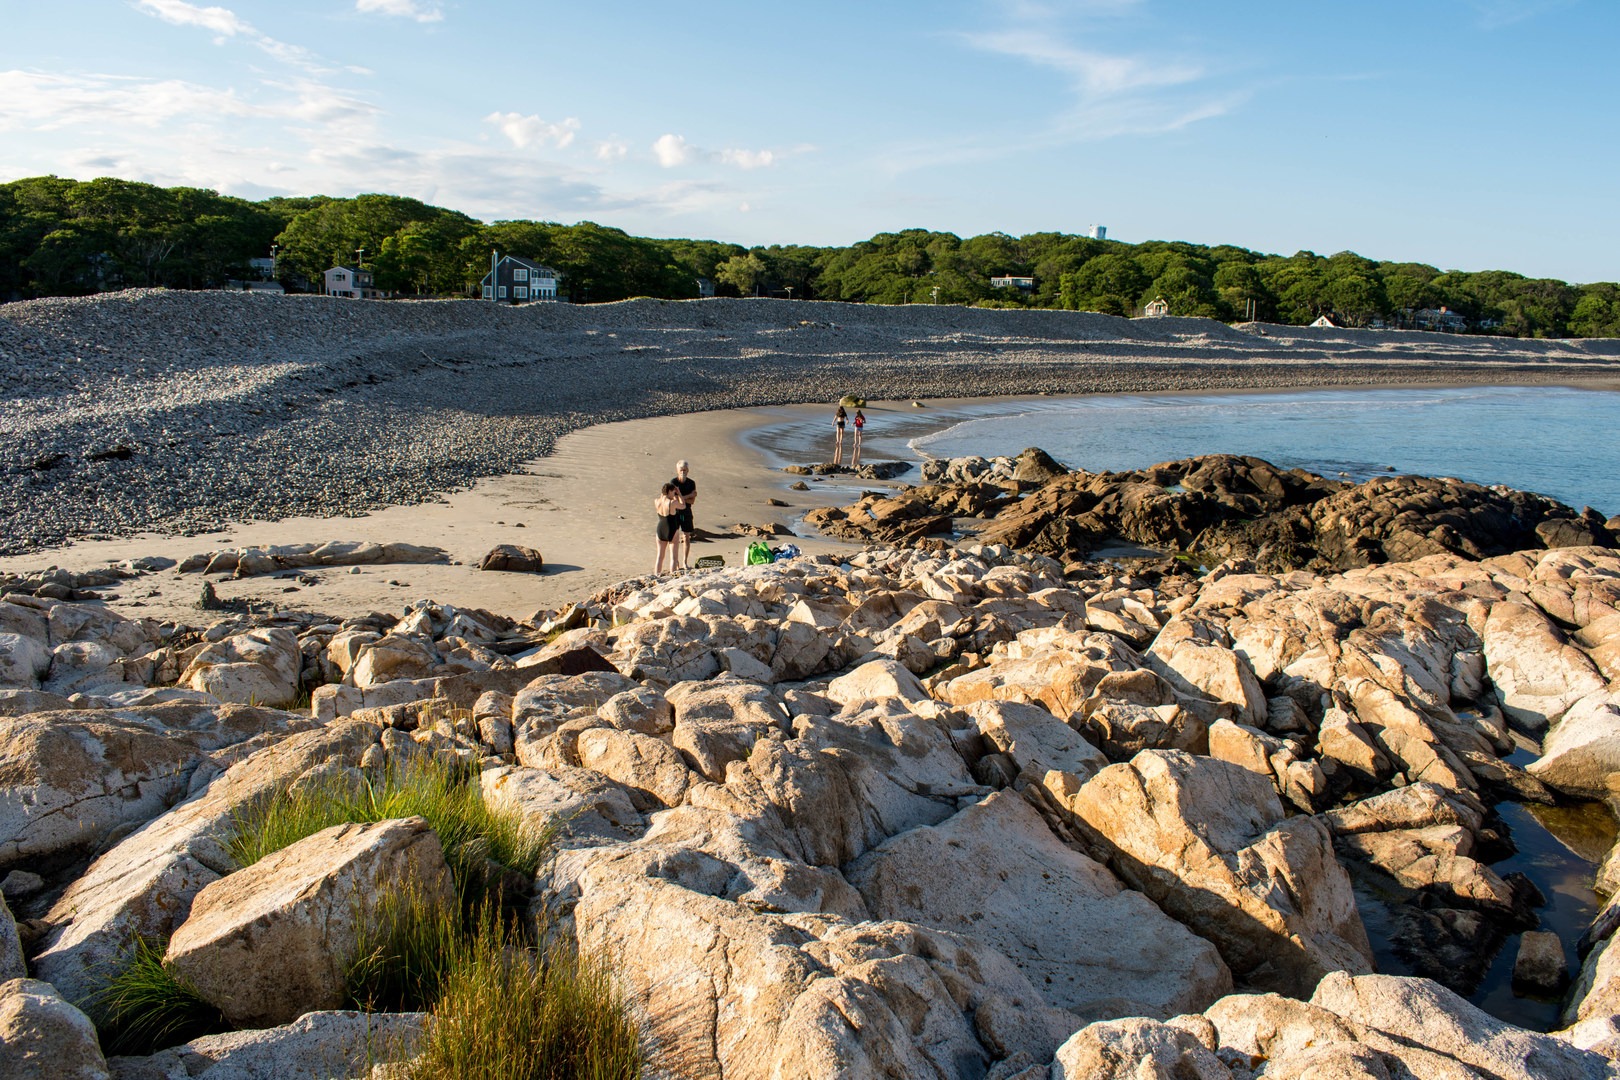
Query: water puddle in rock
[{"x": 1559, "y": 849}]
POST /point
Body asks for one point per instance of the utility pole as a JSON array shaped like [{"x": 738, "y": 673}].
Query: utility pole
[
  {"x": 494, "y": 260},
  {"x": 274, "y": 248},
  {"x": 359, "y": 258}
]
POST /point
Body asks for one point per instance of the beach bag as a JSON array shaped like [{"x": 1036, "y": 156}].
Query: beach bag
[
  {"x": 786, "y": 551},
  {"x": 759, "y": 552}
]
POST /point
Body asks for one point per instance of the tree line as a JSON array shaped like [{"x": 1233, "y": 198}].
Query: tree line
[{"x": 66, "y": 237}]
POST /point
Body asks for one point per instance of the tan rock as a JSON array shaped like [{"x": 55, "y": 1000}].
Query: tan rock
[
  {"x": 995, "y": 872},
  {"x": 584, "y": 806},
  {"x": 1421, "y": 1013},
  {"x": 316, "y": 1044},
  {"x": 718, "y": 723},
  {"x": 1035, "y": 740},
  {"x": 144, "y": 885},
  {"x": 273, "y": 940},
  {"x": 1538, "y": 674},
  {"x": 42, "y": 1037},
  {"x": 1580, "y": 756},
  {"x": 392, "y": 658},
  {"x": 260, "y": 667},
  {"x": 1136, "y": 1048},
  {"x": 650, "y": 768},
  {"x": 1208, "y": 842}
]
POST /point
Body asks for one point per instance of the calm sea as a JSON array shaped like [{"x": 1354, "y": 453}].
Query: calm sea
[{"x": 1557, "y": 441}]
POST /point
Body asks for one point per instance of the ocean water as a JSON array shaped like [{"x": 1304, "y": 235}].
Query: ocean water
[{"x": 1556, "y": 441}]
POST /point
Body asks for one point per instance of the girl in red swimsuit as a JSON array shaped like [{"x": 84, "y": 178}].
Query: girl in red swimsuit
[{"x": 855, "y": 456}]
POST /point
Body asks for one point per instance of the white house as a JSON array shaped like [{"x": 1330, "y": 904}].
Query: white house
[
  {"x": 351, "y": 281},
  {"x": 1156, "y": 308},
  {"x": 518, "y": 280},
  {"x": 1324, "y": 321},
  {"x": 1012, "y": 281}
]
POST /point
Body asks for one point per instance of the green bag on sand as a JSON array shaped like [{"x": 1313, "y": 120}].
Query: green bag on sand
[{"x": 759, "y": 552}]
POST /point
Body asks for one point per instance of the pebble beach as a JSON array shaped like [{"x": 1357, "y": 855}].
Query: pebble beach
[{"x": 186, "y": 412}]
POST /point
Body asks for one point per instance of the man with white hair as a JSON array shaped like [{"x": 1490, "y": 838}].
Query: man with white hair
[{"x": 687, "y": 488}]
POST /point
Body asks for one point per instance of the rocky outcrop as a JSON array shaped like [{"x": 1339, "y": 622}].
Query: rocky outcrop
[
  {"x": 924, "y": 813},
  {"x": 43, "y": 1037},
  {"x": 274, "y": 940}
]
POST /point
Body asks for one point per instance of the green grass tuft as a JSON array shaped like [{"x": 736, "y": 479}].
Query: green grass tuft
[
  {"x": 147, "y": 1007},
  {"x": 510, "y": 1012},
  {"x": 480, "y": 843}
]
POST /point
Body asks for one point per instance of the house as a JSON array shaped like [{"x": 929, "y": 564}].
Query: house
[
  {"x": 1324, "y": 321},
  {"x": 518, "y": 280},
  {"x": 262, "y": 269},
  {"x": 1157, "y": 308},
  {"x": 351, "y": 281},
  {"x": 1441, "y": 318},
  {"x": 1010, "y": 281},
  {"x": 705, "y": 287}
]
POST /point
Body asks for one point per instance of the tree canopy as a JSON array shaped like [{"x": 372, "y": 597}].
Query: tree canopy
[{"x": 68, "y": 237}]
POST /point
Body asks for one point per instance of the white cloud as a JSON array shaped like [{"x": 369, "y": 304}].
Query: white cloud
[
  {"x": 526, "y": 131},
  {"x": 611, "y": 150},
  {"x": 227, "y": 24},
  {"x": 39, "y": 101},
  {"x": 1093, "y": 74},
  {"x": 671, "y": 150},
  {"x": 219, "y": 20},
  {"x": 747, "y": 159},
  {"x": 405, "y": 9}
]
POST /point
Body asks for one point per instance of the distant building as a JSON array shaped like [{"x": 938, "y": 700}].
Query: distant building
[
  {"x": 351, "y": 281},
  {"x": 1097, "y": 232},
  {"x": 705, "y": 287},
  {"x": 517, "y": 280},
  {"x": 1441, "y": 318},
  {"x": 1157, "y": 308},
  {"x": 1011, "y": 281},
  {"x": 1324, "y": 321},
  {"x": 263, "y": 269}
]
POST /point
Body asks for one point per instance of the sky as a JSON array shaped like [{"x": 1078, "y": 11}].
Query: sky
[{"x": 1469, "y": 134}]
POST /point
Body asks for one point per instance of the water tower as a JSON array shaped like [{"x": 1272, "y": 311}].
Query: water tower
[{"x": 1097, "y": 232}]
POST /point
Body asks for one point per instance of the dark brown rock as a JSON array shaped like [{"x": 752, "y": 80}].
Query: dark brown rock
[{"x": 513, "y": 558}]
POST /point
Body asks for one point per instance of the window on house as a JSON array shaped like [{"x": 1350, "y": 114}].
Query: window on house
[
  {"x": 520, "y": 274},
  {"x": 489, "y": 293},
  {"x": 501, "y": 292},
  {"x": 520, "y": 292}
]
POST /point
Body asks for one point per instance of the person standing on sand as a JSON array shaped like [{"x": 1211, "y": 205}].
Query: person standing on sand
[
  {"x": 686, "y": 488},
  {"x": 668, "y": 508},
  {"x": 838, "y": 440},
  {"x": 855, "y": 455}
]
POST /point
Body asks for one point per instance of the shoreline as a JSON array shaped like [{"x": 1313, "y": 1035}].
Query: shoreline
[{"x": 581, "y": 506}]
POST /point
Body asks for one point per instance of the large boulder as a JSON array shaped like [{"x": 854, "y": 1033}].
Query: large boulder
[
  {"x": 1207, "y": 840},
  {"x": 259, "y": 667},
  {"x": 1198, "y": 662},
  {"x": 1035, "y": 741},
  {"x": 995, "y": 872},
  {"x": 1137, "y": 1048},
  {"x": 1538, "y": 674},
  {"x": 144, "y": 885},
  {"x": 317, "y": 1044},
  {"x": 273, "y": 940},
  {"x": 43, "y": 1037},
  {"x": 24, "y": 661},
  {"x": 718, "y": 723},
  {"x": 1580, "y": 756},
  {"x": 1421, "y": 1013},
  {"x": 68, "y": 779}
]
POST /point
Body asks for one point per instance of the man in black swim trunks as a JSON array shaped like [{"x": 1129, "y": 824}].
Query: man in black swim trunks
[{"x": 688, "y": 491}]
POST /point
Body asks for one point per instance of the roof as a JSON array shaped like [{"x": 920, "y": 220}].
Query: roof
[{"x": 530, "y": 263}]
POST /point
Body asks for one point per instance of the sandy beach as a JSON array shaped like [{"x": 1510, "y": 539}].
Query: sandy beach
[
  {"x": 586, "y": 507},
  {"x": 159, "y": 424}
]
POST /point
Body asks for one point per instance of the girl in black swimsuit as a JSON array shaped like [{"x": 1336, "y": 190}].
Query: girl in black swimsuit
[
  {"x": 668, "y": 507},
  {"x": 838, "y": 442}
]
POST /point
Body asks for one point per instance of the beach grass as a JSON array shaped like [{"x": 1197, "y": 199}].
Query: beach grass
[
  {"x": 481, "y": 843},
  {"x": 147, "y": 1007}
]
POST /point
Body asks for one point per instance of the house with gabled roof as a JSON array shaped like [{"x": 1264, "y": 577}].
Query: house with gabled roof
[
  {"x": 1156, "y": 308},
  {"x": 351, "y": 281},
  {"x": 516, "y": 280}
]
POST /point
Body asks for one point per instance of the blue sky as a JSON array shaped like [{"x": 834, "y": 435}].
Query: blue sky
[{"x": 1472, "y": 134}]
